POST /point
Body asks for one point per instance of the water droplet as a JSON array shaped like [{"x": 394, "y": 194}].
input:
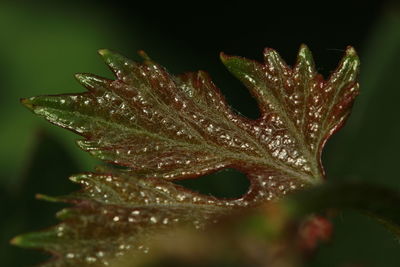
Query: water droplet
[
  {"x": 60, "y": 231},
  {"x": 90, "y": 259},
  {"x": 70, "y": 255},
  {"x": 181, "y": 197},
  {"x": 135, "y": 212}
]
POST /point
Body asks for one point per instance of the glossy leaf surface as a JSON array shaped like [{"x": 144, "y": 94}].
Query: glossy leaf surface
[
  {"x": 116, "y": 213},
  {"x": 172, "y": 127},
  {"x": 163, "y": 127}
]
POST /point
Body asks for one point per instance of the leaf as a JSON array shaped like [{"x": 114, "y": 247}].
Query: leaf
[
  {"x": 179, "y": 127},
  {"x": 162, "y": 127},
  {"x": 116, "y": 213},
  {"x": 285, "y": 225}
]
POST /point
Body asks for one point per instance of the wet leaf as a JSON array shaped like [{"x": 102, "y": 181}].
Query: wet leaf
[
  {"x": 162, "y": 127},
  {"x": 115, "y": 213}
]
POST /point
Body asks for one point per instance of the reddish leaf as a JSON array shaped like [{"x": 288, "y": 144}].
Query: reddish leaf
[{"x": 164, "y": 127}]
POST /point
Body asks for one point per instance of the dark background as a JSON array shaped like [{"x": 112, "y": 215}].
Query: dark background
[{"x": 43, "y": 43}]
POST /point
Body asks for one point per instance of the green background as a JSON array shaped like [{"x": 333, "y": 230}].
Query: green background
[{"x": 43, "y": 43}]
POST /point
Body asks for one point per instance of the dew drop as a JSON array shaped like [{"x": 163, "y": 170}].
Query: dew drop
[
  {"x": 70, "y": 255},
  {"x": 181, "y": 197},
  {"x": 135, "y": 212},
  {"x": 90, "y": 259}
]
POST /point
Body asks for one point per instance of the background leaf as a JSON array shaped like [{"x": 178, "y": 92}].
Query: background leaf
[{"x": 373, "y": 118}]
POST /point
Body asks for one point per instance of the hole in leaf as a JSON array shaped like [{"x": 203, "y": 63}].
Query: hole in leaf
[{"x": 226, "y": 183}]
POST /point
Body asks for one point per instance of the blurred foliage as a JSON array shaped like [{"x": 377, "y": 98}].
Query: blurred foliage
[
  {"x": 44, "y": 43},
  {"x": 367, "y": 149},
  {"x": 278, "y": 234}
]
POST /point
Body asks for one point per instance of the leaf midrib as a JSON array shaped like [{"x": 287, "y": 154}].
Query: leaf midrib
[
  {"x": 200, "y": 147},
  {"x": 277, "y": 103}
]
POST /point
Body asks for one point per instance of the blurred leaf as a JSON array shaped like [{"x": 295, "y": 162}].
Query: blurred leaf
[
  {"x": 274, "y": 234},
  {"x": 373, "y": 129}
]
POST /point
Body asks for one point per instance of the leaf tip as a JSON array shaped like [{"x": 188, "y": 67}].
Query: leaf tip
[
  {"x": 78, "y": 178},
  {"x": 32, "y": 240},
  {"x": 270, "y": 52},
  {"x": 144, "y": 55},
  {"x": 350, "y": 63},
  {"x": 64, "y": 214},
  {"x": 305, "y": 52},
  {"x": 16, "y": 241},
  {"x": 107, "y": 55},
  {"x": 92, "y": 82},
  {"x": 83, "y": 79},
  {"x": 350, "y": 51},
  {"x": 226, "y": 59},
  {"x": 46, "y": 198},
  {"x": 223, "y": 57},
  {"x": 104, "y": 52},
  {"x": 79, "y": 76},
  {"x": 304, "y": 47},
  {"x": 352, "y": 56},
  {"x": 28, "y": 102},
  {"x": 21, "y": 241}
]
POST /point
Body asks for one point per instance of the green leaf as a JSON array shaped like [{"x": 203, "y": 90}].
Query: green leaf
[{"x": 162, "y": 127}]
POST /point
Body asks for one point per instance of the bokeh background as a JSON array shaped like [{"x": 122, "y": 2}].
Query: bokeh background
[{"x": 43, "y": 43}]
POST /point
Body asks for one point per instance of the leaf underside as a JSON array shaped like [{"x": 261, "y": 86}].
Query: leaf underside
[{"x": 162, "y": 127}]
